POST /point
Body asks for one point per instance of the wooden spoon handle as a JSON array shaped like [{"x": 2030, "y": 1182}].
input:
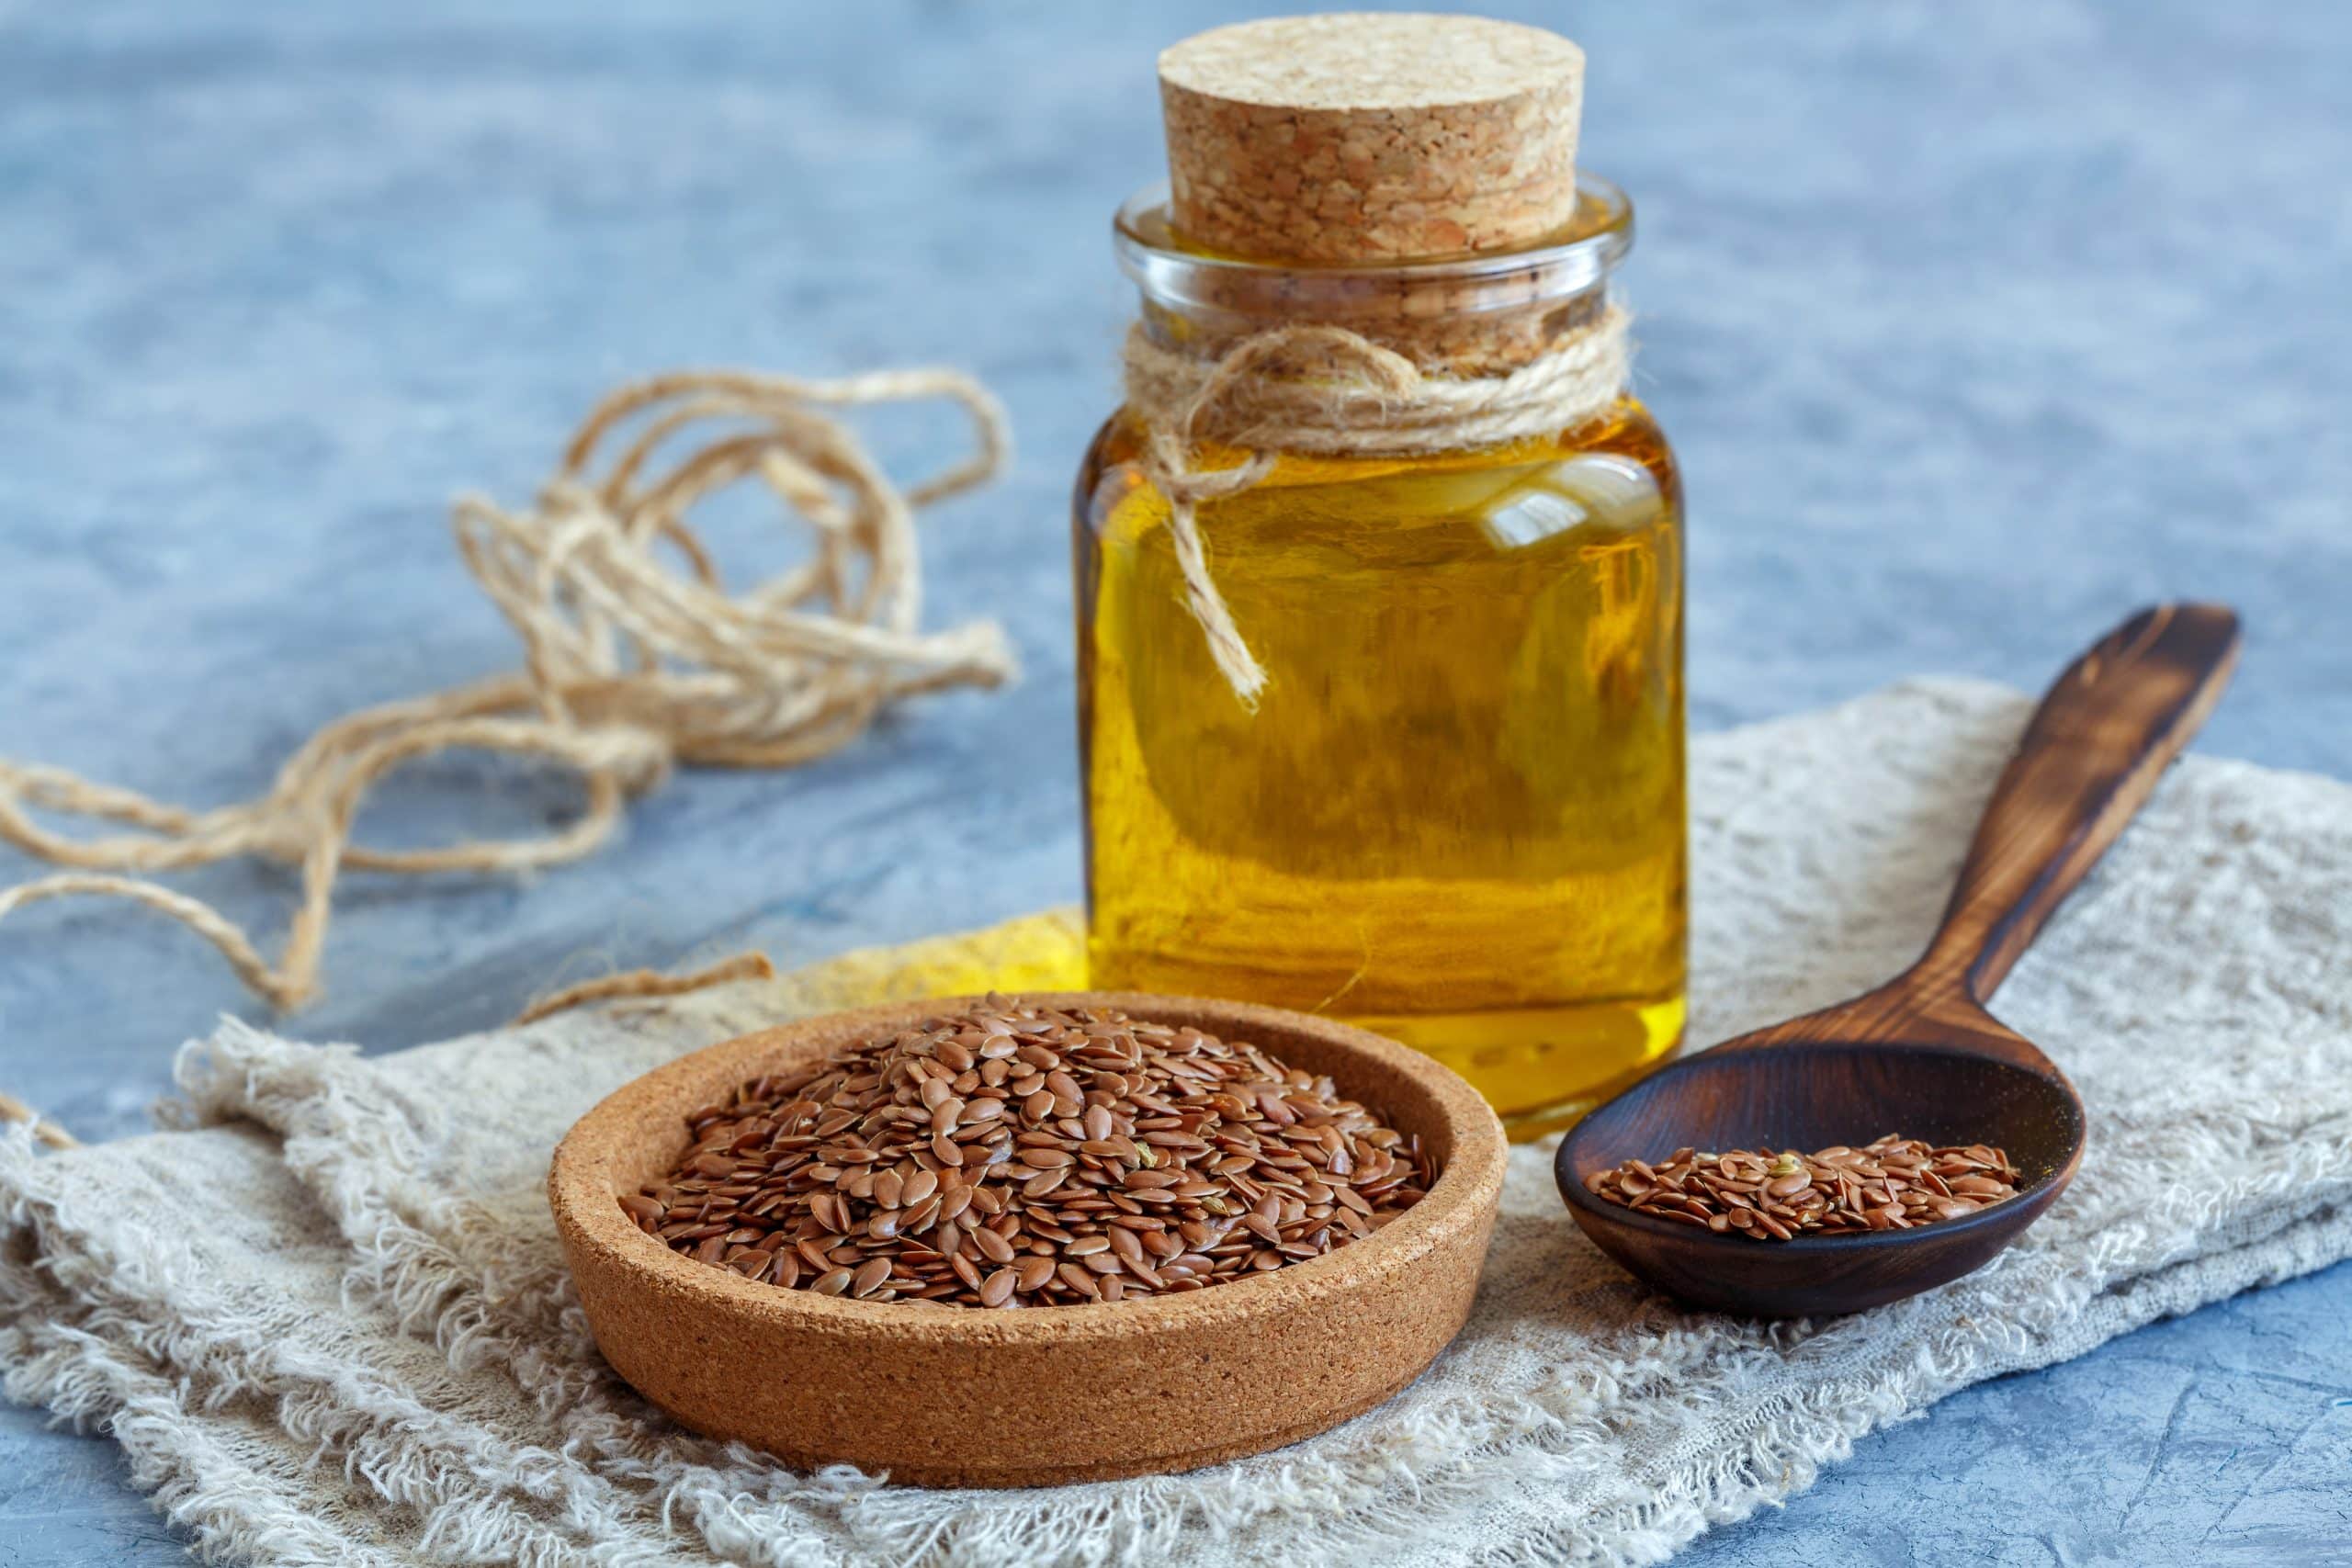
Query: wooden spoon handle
[{"x": 2102, "y": 738}]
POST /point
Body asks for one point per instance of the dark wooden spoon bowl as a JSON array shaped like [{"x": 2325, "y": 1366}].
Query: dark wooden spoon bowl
[{"x": 1920, "y": 1056}]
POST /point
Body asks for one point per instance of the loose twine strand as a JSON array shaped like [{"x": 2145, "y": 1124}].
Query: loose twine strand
[
  {"x": 44, "y": 1131},
  {"x": 1325, "y": 390},
  {"x": 636, "y": 657},
  {"x": 637, "y": 984}
]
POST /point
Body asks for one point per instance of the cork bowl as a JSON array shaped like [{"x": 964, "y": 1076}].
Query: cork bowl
[{"x": 1049, "y": 1394}]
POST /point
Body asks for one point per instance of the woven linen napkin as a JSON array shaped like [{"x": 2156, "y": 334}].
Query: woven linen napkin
[{"x": 327, "y": 1319}]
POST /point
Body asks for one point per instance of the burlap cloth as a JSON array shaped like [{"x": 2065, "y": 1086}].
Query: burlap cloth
[{"x": 328, "y": 1322}]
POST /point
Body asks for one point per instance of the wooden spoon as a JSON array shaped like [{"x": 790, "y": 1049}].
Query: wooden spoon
[{"x": 1920, "y": 1056}]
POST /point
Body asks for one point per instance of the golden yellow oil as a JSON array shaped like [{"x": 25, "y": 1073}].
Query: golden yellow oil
[{"x": 1457, "y": 815}]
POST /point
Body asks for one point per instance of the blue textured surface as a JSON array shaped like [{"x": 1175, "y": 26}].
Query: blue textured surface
[{"x": 1975, "y": 326}]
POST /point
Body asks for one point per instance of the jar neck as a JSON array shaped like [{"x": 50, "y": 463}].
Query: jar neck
[{"x": 1475, "y": 315}]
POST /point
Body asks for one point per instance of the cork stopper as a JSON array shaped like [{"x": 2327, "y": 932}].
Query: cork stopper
[{"x": 1369, "y": 138}]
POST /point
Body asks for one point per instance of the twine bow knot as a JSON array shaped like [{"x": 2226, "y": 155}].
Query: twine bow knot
[{"x": 1325, "y": 390}]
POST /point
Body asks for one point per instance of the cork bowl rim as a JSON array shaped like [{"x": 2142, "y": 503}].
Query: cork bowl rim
[{"x": 582, "y": 1195}]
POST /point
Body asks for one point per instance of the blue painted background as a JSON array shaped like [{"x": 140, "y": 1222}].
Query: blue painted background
[{"x": 1975, "y": 326}]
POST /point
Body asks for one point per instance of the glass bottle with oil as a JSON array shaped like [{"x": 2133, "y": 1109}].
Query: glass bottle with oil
[{"x": 1456, "y": 813}]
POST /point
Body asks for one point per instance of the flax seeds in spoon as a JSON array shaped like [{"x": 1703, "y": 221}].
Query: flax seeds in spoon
[
  {"x": 1015, "y": 1156},
  {"x": 1892, "y": 1184}
]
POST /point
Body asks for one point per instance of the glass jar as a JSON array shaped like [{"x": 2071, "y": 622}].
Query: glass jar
[{"x": 1456, "y": 815}]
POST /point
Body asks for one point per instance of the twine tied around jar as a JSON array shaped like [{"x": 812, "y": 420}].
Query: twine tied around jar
[
  {"x": 1327, "y": 391},
  {"x": 636, "y": 657}
]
